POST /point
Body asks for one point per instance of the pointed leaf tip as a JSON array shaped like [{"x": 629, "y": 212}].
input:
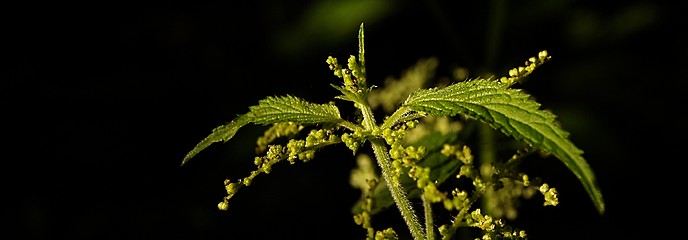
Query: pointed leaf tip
[
  {"x": 513, "y": 113},
  {"x": 220, "y": 134}
]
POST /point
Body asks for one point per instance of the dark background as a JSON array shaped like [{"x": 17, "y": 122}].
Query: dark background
[{"x": 103, "y": 100}]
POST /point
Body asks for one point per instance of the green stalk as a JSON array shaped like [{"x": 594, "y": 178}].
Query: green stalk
[
  {"x": 382, "y": 153},
  {"x": 398, "y": 194},
  {"x": 429, "y": 228},
  {"x": 459, "y": 219},
  {"x": 385, "y": 162}
]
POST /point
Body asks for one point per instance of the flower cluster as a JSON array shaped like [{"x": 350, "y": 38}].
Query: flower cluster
[
  {"x": 551, "y": 196},
  {"x": 353, "y": 75},
  {"x": 353, "y": 140},
  {"x": 277, "y": 130},
  {"x": 364, "y": 218},
  {"x": 494, "y": 228},
  {"x": 295, "y": 149},
  {"x": 531, "y": 64},
  {"x": 405, "y": 158}
]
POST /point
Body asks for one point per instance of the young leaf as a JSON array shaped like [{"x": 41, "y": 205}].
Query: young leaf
[
  {"x": 221, "y": 133},
  {"x": 512, "y": 112},
  {"x": 293, "y": 109},
  {"x": 271, "y": 110},
  {"x": 348, "y": 95}
]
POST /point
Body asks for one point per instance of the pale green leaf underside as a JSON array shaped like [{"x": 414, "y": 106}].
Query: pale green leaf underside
[
  {"x": 512, "y": 112},
  {"x": 268, "y": 111}
]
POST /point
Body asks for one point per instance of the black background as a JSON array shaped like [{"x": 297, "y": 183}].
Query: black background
[{"x": 103, "y": 100}]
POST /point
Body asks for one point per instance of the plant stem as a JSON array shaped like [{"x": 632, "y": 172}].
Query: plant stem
[
  {"x": 398, "y": 194},
  {"x": 459, "y": 219},
  {"x": 429, "y": 228},
  {"x": 385, "y": 162}
]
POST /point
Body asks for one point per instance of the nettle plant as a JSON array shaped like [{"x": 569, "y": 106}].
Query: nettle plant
[{"x": 420, "y": 147}]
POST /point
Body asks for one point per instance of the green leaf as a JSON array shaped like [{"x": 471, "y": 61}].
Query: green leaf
[
  {"x": 348, "y": 95},
  {"x": 515, "y": 114},
  {"x": 293, "y": 109},
  {"x": 361, "y": 50},
  {"x": 222, "y": 133},
  {"x": 268, "y": 111}
]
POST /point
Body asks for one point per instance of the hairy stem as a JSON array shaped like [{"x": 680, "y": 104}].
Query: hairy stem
[
  {"x": 429, "y": 225},
  {"x": 398, "y": 194},
  {"x": 385, "y": 162}
]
